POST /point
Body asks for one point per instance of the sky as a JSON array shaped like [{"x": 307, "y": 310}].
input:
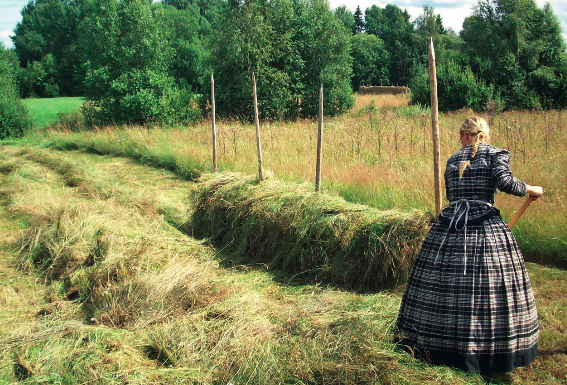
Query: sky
[{"x": 453, "y": 12}]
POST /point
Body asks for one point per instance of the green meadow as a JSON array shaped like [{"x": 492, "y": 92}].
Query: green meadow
[
  {"x": 125, "y": 259},
  {"x": 46, "y": 112}
]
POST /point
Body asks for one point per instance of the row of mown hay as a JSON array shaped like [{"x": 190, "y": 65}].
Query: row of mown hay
[
  {"x": 383, "y": 90},
  {"x": 307, "y": 235}
]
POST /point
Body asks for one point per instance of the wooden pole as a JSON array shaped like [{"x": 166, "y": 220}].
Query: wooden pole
[
  {"x": 520, "y": 212},
  {"x": 319, "y": 142},
  {"x": 257, "y": 123},
  {"x": 214, "y": 124},
  {"x": 435, "y": 129}
]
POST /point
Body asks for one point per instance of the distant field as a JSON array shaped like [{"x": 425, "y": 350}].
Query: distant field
[{"x": 45, "y": 112}]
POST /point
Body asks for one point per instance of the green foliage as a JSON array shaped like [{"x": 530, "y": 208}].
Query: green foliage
[
  {"x": 519, "y": 48},
  {"x": 393, "y": 26},
  {"x": 345, "y": 16},
  {"x": 178, "y": 4},
  {"x": 127, "y": 77},
  {"x": 448, "y": 46},
  {"x": 136, "y": 96},
  {"x": 370, "y": 61},
  {"x": 45, "y": 41},
  {"x": 324, "y": 52},
  {"x": 40, "y": 79},
  {"x": 457, "y": 87},
  {"x": 14, "y": 118},
  {"x": 186, "y": 30},
  {"x": 68, "y": 47},
  {"x": 292, "y": 47},
  {"x": 358, "y": 21}
]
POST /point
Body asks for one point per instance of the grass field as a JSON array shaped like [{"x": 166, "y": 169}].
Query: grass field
[
  {"x": 378, "y": 155},
  {"x": 46, "y": 112},
  {"x": 103, "y": 281}
]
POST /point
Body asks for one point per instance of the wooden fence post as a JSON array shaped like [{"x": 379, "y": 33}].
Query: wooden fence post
[
  {"x": 435, "y": 129},
  {"x": 257, "y": 123},
  {"x": 319, "y": 142},
  {"x": 214, "y": 123}
]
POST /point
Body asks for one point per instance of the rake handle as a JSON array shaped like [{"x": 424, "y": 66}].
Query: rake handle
[{"x": 520, "y": 211}]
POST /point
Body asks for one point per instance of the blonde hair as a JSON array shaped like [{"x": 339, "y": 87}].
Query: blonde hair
[{"x": 480, "y": 132}]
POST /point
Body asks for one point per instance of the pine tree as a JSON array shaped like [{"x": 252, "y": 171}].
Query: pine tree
[{"x": 358, "y": 21}]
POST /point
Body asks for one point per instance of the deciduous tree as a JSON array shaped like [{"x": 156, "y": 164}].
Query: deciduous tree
[
  {"x": 48, "y": 27},
  {"x": 292, "y": 46},
  {"x": 370, "y": 61},
  {"x": 518, "y": 47},
  {"x": 394, "y": 28},
  {"x": 127, "y": 60}
]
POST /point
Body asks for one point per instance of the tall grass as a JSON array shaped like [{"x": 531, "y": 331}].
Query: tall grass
[{"x": 379, "y": 154}]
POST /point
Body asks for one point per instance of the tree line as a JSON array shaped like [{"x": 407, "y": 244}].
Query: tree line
[{"x": 135, "y": 61}]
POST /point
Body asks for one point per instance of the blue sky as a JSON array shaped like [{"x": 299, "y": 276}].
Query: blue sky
[{"x": 453, "y": 12}]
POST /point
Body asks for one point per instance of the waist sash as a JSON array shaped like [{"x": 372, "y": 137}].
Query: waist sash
[{"x": 460, "y": 220}]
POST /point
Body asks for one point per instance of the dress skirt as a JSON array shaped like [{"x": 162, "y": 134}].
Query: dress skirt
[{"x": 474, "y": 310}]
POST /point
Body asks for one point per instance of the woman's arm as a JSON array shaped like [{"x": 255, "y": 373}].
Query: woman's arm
[{"x": 502, "y": 176}]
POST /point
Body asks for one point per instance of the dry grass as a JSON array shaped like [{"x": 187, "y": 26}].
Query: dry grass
[
  {"x": 139, "y": 302},
  {"x": 380, "y": 157},
  {"x": 307, "y": 235},
  {"x": 119, "y": 295}
]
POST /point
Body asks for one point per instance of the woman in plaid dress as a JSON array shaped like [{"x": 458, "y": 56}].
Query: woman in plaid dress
[{"x": 468, "y": 301}]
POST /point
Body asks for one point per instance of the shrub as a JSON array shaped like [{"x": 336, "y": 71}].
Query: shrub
[
  {"x": 14, "y": 118},
  {"x": 129, "y": 84},
  {"x": 457, "y": 88},
  {"x": 137, "y": 96}
]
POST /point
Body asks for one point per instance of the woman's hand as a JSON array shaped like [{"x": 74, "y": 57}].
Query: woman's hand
[{"x": 534, "y": 192}]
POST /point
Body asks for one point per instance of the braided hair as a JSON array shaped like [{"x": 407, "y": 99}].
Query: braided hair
[{"x": 478, "y": 130}]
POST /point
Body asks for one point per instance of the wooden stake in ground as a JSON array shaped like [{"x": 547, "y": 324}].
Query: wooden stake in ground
[
  {"x": 257, "y": 123},
  {"x": 319, "y": 142},
  {"x": 435, "y": 129},
  {"x": 214, "y": 124}
]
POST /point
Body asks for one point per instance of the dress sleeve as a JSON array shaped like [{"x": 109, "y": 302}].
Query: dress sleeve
[{"x": 502, "y": 176}]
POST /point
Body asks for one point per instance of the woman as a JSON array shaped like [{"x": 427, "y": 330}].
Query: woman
[{"x": 468, "y": 301}]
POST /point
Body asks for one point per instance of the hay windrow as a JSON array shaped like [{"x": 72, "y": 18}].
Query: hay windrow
[{"x": 313, "y": 236}]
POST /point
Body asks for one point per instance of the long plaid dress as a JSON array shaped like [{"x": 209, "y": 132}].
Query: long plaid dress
[{"x": 468, "y": 301}]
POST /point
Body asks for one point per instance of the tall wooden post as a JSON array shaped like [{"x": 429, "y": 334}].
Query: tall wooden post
[
  {"x": 319, "y": 142},
  {"x": 257, "y": 123},
  {"x": 435, "y": 129},
  {"x": 214, "y": 124}
]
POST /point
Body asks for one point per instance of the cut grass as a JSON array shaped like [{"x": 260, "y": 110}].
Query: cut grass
[
  {"x": 141, "y": 303},
  {"x": 150, "y": 305},
  {"x": 104, "y": 318},
  {"x": 305, "y": 234}
]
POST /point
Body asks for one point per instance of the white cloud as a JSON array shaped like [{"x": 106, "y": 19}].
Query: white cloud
[
  {"x": 10, "y": 15},
  {"x": 453, "y": 12},
  {"x": 5, "y": 38}
]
